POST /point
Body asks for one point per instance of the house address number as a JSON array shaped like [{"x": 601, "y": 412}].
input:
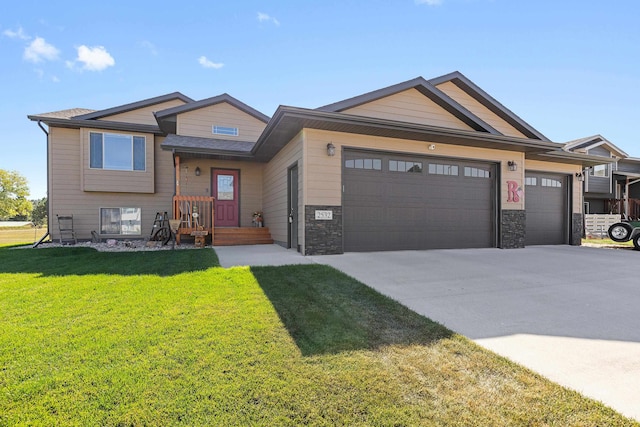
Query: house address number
[{"x": 324, "y": 215}]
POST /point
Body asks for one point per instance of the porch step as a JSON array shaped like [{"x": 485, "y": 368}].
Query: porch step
[{"x": 242, "y": 236}]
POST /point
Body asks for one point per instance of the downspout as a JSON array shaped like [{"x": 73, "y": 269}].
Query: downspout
[{"x": 48, "y": 192}]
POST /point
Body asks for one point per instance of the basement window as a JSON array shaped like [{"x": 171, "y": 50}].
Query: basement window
[{"x": 122, "y": 221}]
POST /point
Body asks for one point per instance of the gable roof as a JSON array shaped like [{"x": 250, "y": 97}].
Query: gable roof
[
  {"x": 225, "y": 97},
  {"x": 66, "y": 114},
  {"x": 593, "y": 141},
  {"x": 134, "y": 106},
  {"x": 425, "y": 88},
  {"x": 491, "y": 103}
]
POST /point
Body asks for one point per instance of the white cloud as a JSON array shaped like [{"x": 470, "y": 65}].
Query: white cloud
[
  {"x": 18, "y": 34},
  {"x": 209, "y": 64},
  {"x": 263, "y": 17},
  {"x": 429, "y": 2},
  {"x": 39, "y": 50},
  {"x": 93, "y": 58},
  {"x": 55, "y": 79},
  {"x": 150, "y": 46}
]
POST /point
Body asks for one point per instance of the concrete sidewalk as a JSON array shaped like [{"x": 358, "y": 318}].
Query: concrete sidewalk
[
  {"x": 570, "y": 313},
  {"x": 259, "y": 255}
]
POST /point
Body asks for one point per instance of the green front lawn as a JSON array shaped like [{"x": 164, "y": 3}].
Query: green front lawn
[{"x": 168, "y": 338}]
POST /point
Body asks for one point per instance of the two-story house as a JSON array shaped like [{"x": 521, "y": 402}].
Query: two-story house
[{"x": 612, "y": 187}]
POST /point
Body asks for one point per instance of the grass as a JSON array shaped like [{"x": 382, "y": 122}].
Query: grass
[
  {"x": 168, "y": 338},
  {"x": 608, "y": 242},
  {"x": 20, "y": 235}
]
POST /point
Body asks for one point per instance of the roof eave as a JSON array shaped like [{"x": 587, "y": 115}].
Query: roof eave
[
  {"x": 96, "y": 124},
  {"x": 134, "y": 106},
  {"x": 288, "y": 121},
  {"x": 561, "y": 156}
]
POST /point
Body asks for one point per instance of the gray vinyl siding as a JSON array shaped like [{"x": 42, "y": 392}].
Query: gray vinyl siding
[
  {"x": 600, "y": 151},
  {"x": 597, "y": 184},
  {"x": 628, "y": 166}
]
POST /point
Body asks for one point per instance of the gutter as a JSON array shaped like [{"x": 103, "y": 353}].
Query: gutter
[{"x": 48, "y": 192}]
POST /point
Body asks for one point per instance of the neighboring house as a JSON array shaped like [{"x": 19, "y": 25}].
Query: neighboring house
[
  {"x": 421, "y": 164},
  {"x": 613, "y": 187}
]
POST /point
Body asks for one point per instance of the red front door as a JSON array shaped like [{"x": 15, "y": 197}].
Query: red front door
[{"x": 225, "y": 190}]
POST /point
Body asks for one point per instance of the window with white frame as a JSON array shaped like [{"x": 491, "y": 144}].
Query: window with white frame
[
  {"x": 124, "y": 221},
  {"x": 117, "y": 151},
  {"x": 600, "y": 170},
  {"x": 225, "y": 130}
]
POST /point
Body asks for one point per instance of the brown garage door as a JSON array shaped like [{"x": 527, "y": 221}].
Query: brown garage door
[
  {"x": 546, "y": 197},
  {"x": 396, "y": 202}
]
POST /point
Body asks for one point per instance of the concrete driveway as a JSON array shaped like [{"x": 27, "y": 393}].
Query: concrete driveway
[{"x": 569, "y": 313}]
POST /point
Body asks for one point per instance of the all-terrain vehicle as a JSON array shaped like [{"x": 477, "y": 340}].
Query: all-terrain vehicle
[{"x": 625, "y": 231}]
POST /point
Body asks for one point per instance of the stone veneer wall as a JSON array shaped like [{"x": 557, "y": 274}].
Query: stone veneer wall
[
  {"x": 322, "y": 237},
  {"x": 513, "y": 226},
  {"x": 577, "y": 229}
]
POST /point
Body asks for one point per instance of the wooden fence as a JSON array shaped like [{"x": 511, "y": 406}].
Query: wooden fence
[{"x": 597, "y": 225}]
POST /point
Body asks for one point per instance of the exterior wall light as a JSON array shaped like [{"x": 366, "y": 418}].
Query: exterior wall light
[
  {"x": 580, "y": 176},
  {"x": 513, "y": 166},
  {"x": 331, "y": 149},
  {"x": 197, "y": 171}
]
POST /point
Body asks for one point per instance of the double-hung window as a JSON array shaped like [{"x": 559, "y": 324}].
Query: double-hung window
[{"x": 117, "y": 152}]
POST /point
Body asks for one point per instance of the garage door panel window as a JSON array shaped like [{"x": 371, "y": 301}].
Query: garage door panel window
[
  {"x": 548, "y": 182},
  {"x": 476, "y": 172},
  {"x": 405, "y": 166},
  {"x": 531, "y": 181},
  {"x": 443, "y": 169},
  {"x": 364, "y": 163}
]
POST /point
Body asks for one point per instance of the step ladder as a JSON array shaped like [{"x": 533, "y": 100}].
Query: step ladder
[
  {"x": 65, "y": 227},
  {"x": 161, "y": 231}
]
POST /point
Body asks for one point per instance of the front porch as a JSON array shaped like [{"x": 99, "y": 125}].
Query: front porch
[
  {"x": 628, "y": 207},
  {"x": 197, "y": 214}
]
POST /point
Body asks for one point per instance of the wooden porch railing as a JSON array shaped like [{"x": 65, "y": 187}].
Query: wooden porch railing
[
  {"x": 183, "y": 209},
  {"x": 617, "y": 206}
]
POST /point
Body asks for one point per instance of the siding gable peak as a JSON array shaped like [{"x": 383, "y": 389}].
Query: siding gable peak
[
  {"x": 425, "y": 88},
  {"x": 591, "y": 142},
  {"x": 490, "y": 103}
]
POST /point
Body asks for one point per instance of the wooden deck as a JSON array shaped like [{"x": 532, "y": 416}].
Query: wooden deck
[
  {"x": 233, "y": 236},
  {"x": 184, "y": 208}
]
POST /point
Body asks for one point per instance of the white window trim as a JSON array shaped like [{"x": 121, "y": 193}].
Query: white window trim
[
  {"x": 120, "y": 208},
  {"x": 225, "y": 130},
  {"x": 132, "y": 152}
]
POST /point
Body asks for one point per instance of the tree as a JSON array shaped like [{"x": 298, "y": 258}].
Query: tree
[
  {"x": 13, "y": 195},
  {"x": 39, "y": 213}
]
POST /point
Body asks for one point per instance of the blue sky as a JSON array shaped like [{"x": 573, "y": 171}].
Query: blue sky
[{"x": 569, "y": 68}]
